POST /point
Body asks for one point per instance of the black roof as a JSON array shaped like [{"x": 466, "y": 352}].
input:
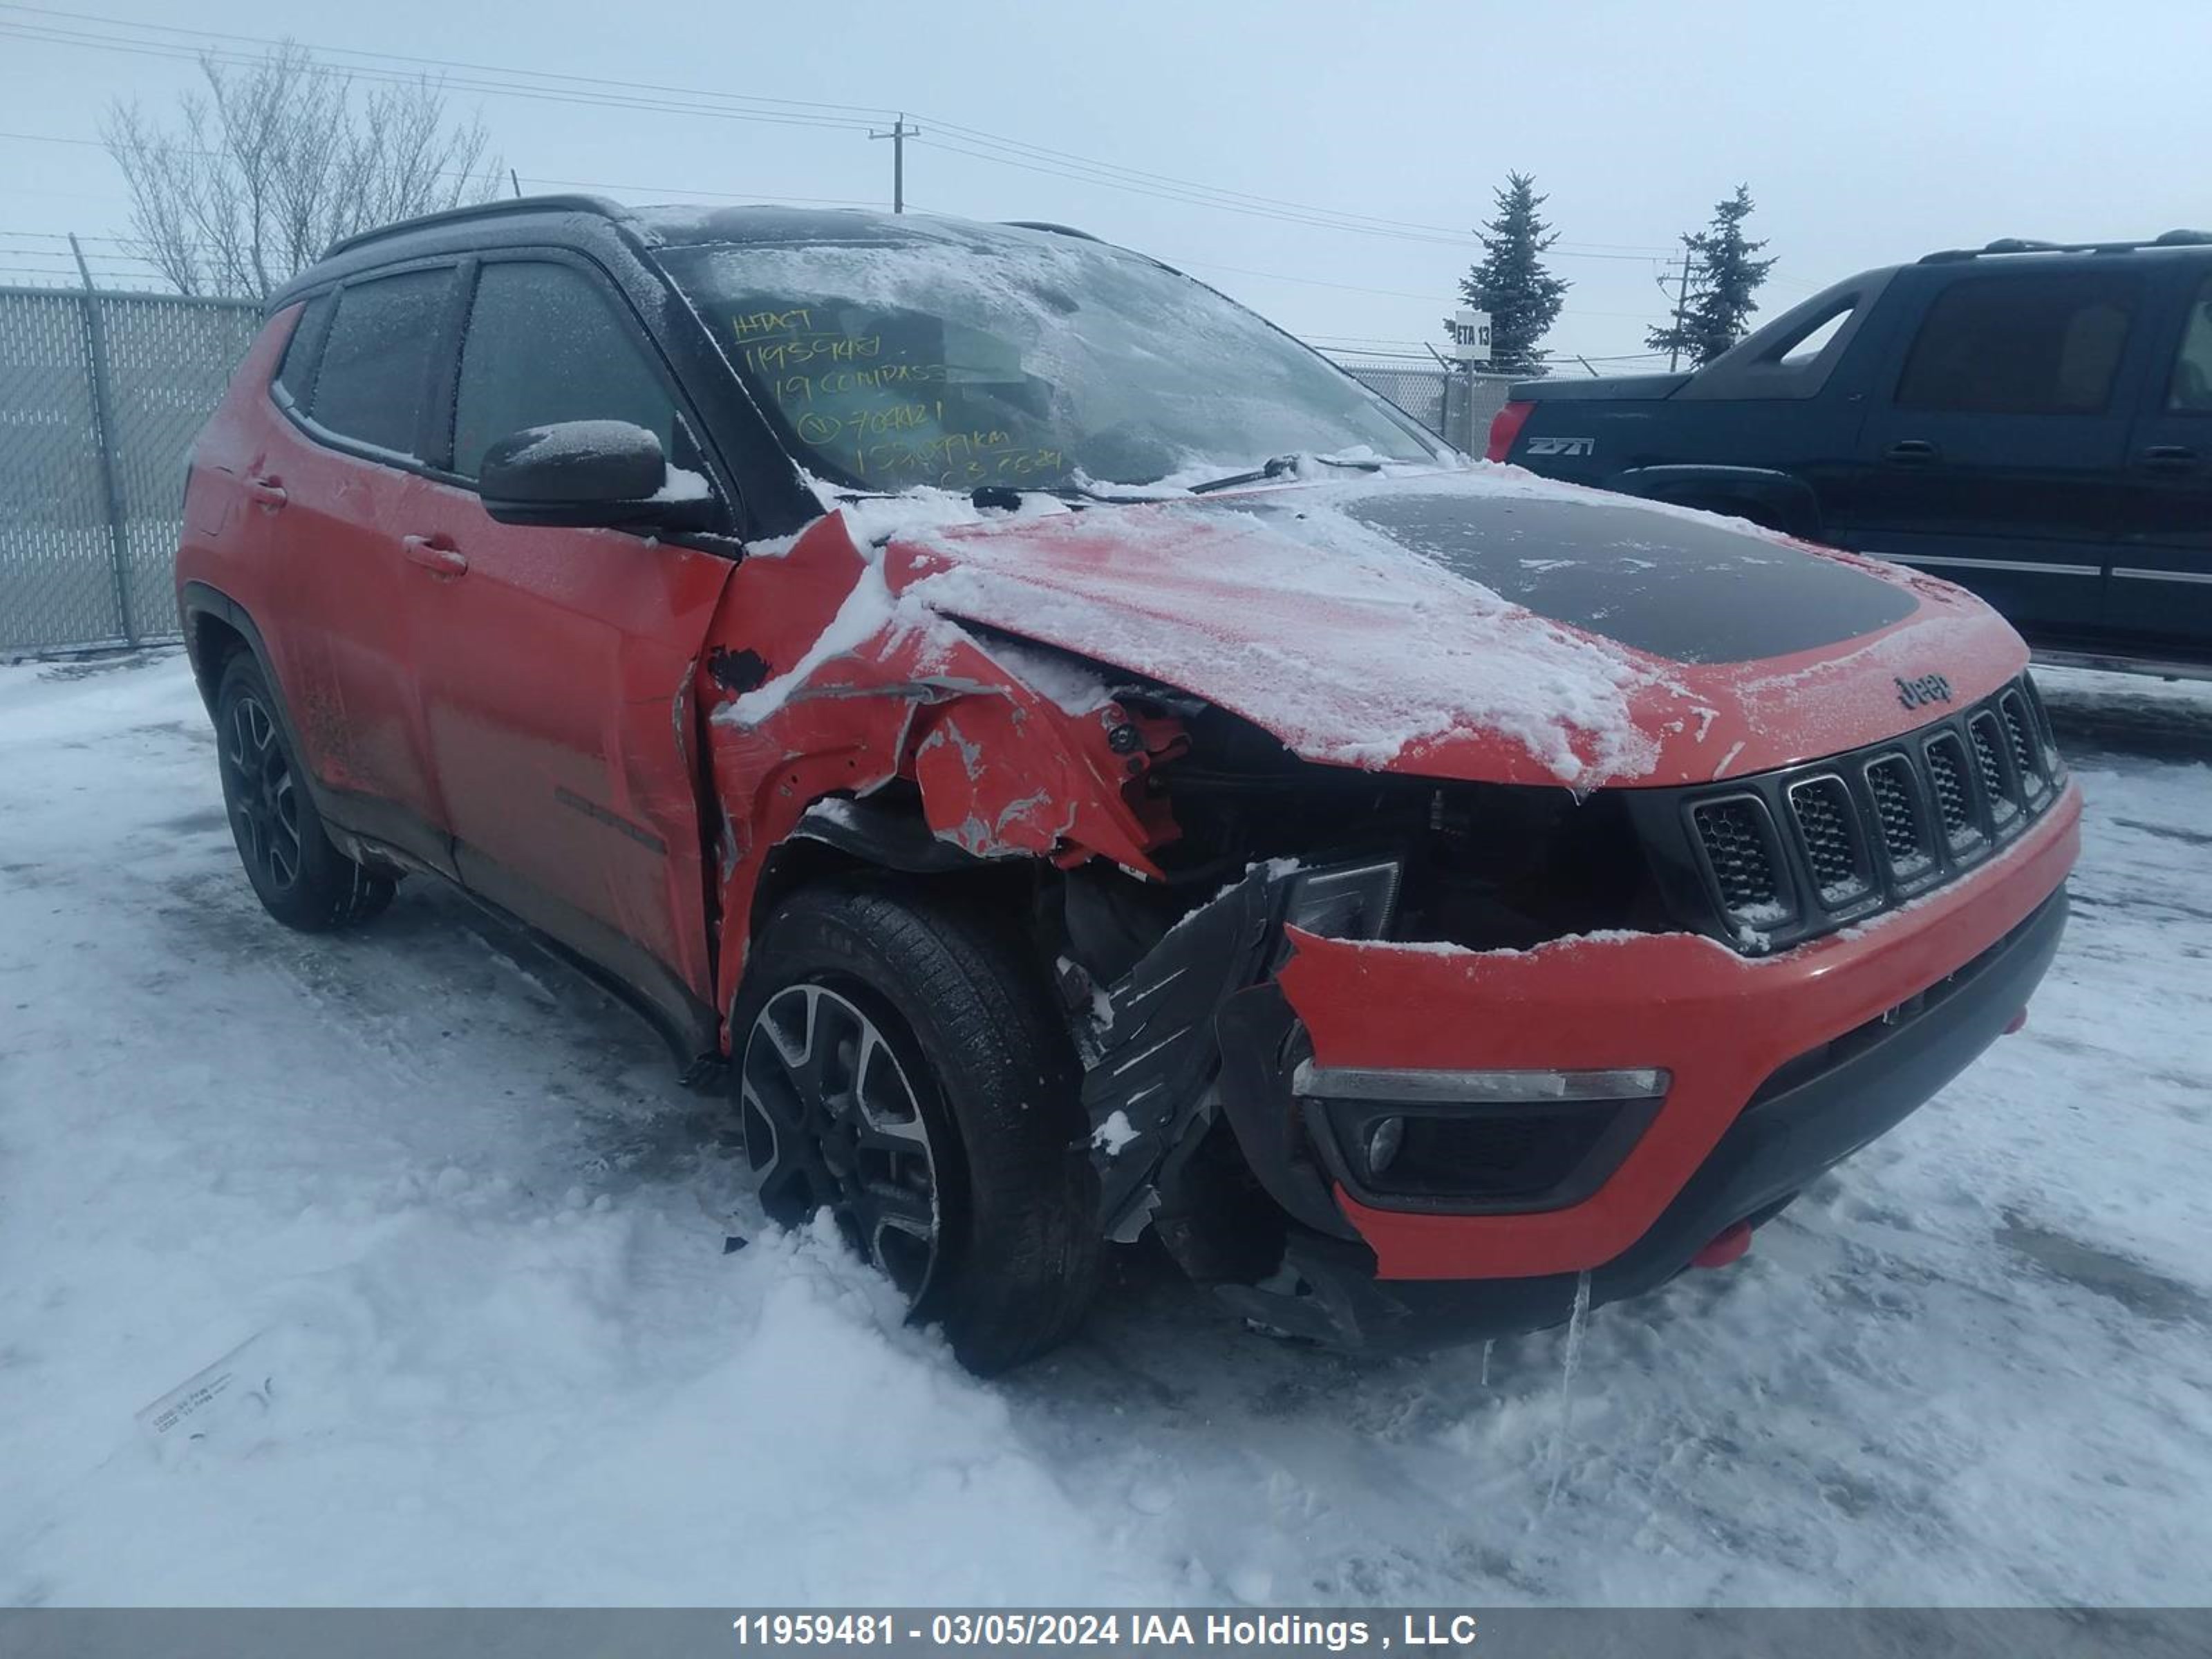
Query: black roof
[
  {"x": 502, "y": 208},
  {"x": 527, "y": 218}
]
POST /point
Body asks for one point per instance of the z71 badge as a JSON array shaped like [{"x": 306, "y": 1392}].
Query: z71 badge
[
  {"x": 1562, "y": 446},
  {"x": 1929, "y": 688}
]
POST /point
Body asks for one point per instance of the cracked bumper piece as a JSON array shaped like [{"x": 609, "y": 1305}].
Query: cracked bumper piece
[{"x": 1703, "y": 1090}]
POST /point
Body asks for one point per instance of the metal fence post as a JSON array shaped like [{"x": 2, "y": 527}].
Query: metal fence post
[{"x": 104, "y": 439}]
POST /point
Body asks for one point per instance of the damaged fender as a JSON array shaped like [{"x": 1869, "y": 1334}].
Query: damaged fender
[{"x": 846, "y": 691}]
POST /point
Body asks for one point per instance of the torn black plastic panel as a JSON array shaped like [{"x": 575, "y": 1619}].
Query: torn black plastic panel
[{"x": 1161, "y": 1052}]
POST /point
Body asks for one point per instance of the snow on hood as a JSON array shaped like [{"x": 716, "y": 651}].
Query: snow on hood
[
  {"x": 1284, "y": 607},
  {"x": 1474, "y": 622}
]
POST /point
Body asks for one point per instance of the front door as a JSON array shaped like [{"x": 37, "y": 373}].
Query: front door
[
  {"x": 2160, "y": 598},
  {"x": 556, "y": 664},
  {"x": 1995, "y": 459}
]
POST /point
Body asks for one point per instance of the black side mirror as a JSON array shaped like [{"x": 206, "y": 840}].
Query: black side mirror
[{"x": 590, "y": 475}]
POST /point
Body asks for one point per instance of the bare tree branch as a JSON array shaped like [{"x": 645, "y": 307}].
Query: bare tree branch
[
  {"x": 162, "y": 233},
  {"x": 275, "y": 160}
]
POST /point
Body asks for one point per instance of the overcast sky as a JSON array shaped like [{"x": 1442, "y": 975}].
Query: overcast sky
[{"x": 1868, "y": 131}]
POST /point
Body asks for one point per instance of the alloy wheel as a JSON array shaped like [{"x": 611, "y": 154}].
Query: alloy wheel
[
  {"x": 265, "y": 800},
  {"x": 832, "y": 1121}
]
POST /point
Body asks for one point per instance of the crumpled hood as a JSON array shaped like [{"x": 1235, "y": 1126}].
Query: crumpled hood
[{"x": 1480, "y": 624}]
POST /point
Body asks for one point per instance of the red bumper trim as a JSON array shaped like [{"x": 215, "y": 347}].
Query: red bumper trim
[{"x": 1722, "y": 1022}]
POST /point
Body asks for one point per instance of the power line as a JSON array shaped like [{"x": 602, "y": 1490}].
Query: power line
[
  {"x": 535, "y": 178},
  {"x": 1623, "y": 249},
  {"x": 51, "y": 138},
  {"x": 863, "y": 112},
  {"x": 492, "y": 88},
  {"x": 599, "y": 184},
  {"x": 1389, "y": 293},
  {"x": 973, "y": 143},
  {"x": 1091, "y": 174},
  {"x": 680, "y": 191}
]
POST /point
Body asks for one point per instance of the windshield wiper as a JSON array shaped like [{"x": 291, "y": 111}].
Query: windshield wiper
[
  {"x": 1275, "y": 467},
  {"x": 1009, "y": 496}
]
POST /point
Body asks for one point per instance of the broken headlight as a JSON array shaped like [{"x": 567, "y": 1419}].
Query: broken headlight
[{"x": 1346, "y": 901}]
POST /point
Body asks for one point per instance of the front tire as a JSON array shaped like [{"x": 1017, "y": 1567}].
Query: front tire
[
  {"x": 899, "y": 1063},
  {"x": 298, "y": 874}
]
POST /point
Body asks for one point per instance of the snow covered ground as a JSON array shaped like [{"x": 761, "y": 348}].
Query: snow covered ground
[{"x": 453, "y": 1205}]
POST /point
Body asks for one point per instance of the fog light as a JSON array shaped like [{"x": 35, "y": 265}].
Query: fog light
[
  {"x": 1416, "y": 1086},
  {"x": 1384, "y": 1137},
  {"x": 1487, "y": 1142}
]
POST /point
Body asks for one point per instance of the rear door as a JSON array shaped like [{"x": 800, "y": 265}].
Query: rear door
[
  {"x": 334, "y": 490},
  {"x": 556, "y": 664},
  {"x": 1996, "y": 456},
  {"x": 2161, "y": 596}
]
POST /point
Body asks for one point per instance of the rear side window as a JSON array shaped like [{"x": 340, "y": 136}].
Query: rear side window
[
  {"x": 2189, "y": 392},
  {"x": 2041, "y": 344},
  {"x": 545, "y": 344},
  {"x": 292, "y": 372},
  {"x": 1814, "y": 340},
  {"x": 376, "y": 367}
]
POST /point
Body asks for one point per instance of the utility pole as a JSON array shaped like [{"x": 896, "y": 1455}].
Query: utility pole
[
  {"x": 516, "y": 182},
  {"x": 898, "y": 134},
  {"x": 1682, "y": 308}
]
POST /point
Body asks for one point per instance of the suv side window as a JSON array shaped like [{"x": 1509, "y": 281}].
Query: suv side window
[
  {"x": 2040, "y": 345},
  {"x": 2189, "y": 392},
  {"x": 291, "y": 378},
  {"x": 545, "y": 344},
  {"x": 375, "y": 366}
]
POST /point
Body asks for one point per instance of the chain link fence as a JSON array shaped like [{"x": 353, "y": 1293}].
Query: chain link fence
[
  {"x": 102, "y": 393},
  {"x": 100, "y": 397},
  {"x": 1456, "y": 407}
]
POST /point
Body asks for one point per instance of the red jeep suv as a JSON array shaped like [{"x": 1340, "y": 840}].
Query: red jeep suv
[{"x": 1070, "y": 761}]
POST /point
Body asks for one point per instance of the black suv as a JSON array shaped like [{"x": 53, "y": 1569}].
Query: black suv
[{"x": 2032, "y": 419}]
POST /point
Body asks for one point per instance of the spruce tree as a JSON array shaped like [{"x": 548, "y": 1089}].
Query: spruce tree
[
  {"x": 1723, "y": 280},
  {"x": 1510, "y": 282}
]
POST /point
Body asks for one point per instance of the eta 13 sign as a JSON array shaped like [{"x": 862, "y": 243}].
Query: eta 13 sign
[{"x": 1471, "y": 336}]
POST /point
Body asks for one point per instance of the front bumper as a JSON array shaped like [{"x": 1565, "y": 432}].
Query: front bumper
[{"x": 1780, "y": 1067}]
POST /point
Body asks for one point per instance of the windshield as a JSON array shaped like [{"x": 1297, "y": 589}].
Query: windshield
[{"x": 965, "y": 356}]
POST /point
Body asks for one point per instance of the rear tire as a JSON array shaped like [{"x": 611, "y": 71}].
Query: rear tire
[
  {"x": 298, "y": 873},
  {"x": 899, "y": 1063}
]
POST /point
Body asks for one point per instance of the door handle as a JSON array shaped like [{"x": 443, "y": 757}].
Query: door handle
[
  {"x": 267, "y": 491},
  {"x": 2169, "y": 458},
  {"x": 1911, "y": 451},
  {"x": 432, "y": 554}
]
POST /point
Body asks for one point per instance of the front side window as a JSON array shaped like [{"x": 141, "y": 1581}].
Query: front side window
[
  {"x": 2032, "y": 344},
  {"x": 961, "y": 356},
  {"x": 376, "y": 367},
  {"x": 2190, "y": 391},
  {"x": 545, "y": 345}
]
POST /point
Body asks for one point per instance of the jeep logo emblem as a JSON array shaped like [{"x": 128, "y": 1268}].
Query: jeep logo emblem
[{"x": 1929, "y": 688}]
